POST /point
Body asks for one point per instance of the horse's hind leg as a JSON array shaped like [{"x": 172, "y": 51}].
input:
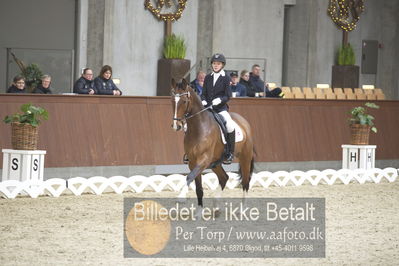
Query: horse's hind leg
[
  {"x": 200, "y": 194},
  {"x": 198, "y": 189},
  {"x": 223, "y": 177},
  {"x": 246, "y": 167}
]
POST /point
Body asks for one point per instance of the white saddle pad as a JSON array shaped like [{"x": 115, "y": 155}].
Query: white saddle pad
[{"x": 238, "y": 130}]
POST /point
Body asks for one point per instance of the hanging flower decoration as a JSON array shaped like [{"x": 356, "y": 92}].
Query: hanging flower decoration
[
  {"x": 156, "y": 11},
  {"x": 345, "y": 13}
]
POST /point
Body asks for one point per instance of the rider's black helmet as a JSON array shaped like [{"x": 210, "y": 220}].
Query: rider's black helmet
[{"x": 218, "y": 58}]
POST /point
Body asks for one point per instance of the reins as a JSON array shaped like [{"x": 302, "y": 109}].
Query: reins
[{"x": 188, "y": 117}]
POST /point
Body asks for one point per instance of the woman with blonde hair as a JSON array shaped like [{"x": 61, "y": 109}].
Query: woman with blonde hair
[{"x": 44, "y": 86}]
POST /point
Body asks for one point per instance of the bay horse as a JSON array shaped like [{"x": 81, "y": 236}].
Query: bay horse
[{"x": 202, "y": 140}]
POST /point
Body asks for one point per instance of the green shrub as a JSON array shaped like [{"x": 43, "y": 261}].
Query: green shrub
[
  {"x": 30, "y": 115},
  {"x": 346, "y": 56},
  {"x": 174, "y": 47},
  {"x": 32, "y": 75},
  {"x": 341, "y": 57}
]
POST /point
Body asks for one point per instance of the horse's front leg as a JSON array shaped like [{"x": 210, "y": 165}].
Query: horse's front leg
[
  {"x": 196, "y": 171},
  {"x": 195, "y": 174}
]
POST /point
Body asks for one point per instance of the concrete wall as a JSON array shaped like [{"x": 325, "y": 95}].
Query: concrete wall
[
  {"x": 81, "y": 36},
  {"x": 132, "y": 40},
  {"x": 313, "y": 41},
  {"x": 42, "y": 32},
  {"x": 128, "y": 37},
  {"x": 395, "y": 76},
  {"x": 95, "y": 35},
  {"x": 205, "y": 33},
  {"x": 389, "y": 66},
  {"x": 250, "y": 29}
]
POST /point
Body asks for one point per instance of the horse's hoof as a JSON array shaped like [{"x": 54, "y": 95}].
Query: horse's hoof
[
  {"x": 181, "y": 200},
  {"x": 198, "y": 213},
  {"x": 185, "y": 159}
]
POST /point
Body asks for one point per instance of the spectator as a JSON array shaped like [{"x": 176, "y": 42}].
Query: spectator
[
  {"x": 85, "y": 84},
  {"x": 198, "y": 83},
  {"x": 244, "y": 80},
  {"x": 104, "y": 85},
  {"x": 44, "y": 87},
  {"x": 237, "y": 87},
  {"x": 18, "y": 85},
  {"x": 260, "y": 86}
]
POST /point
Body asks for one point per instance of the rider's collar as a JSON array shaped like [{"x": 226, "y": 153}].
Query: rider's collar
[{"x": 221, "y": 72}]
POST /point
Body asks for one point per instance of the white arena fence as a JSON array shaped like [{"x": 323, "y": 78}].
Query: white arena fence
[{"x": 176, "y": 182}]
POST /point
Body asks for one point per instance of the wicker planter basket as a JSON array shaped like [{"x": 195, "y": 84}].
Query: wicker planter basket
[
  {"x": 24, "y": 136},
  {"x": 360, "y": 134}
]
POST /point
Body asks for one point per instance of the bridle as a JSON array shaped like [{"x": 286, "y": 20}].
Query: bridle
[
  {"x": 186, "y": 111},
  {"x": 187, "y": 115}
]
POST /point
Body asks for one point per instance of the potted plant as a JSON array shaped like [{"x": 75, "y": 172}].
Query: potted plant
[
  {"x": 173, "y": 65},
  {"x": 32, "y": 75},
  {"x": 360, "y": 123},
  {"x": 24, "y": 126},
  {"x": 345, "y": 15},
  {"x": 345, "y": 74}
]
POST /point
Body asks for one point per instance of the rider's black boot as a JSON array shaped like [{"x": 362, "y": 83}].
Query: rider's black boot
[
  {"x": 231, "y": 139},
  {"x": 185, "y": 159}
]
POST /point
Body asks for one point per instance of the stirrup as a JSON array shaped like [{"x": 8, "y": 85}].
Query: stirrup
[
  {"x": 185, "y": 159},
  {"x": 229, "y": 159}
]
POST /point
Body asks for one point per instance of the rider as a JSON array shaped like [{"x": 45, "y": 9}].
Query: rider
[{"x": 217, "y": 93}]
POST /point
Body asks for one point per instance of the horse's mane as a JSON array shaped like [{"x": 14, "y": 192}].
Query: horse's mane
[{"x": 196, "y": 98}]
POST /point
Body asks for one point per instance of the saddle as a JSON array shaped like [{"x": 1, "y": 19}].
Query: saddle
[
  {"x": 222, "y": 123},
  {"x": 223, "y": 130}
]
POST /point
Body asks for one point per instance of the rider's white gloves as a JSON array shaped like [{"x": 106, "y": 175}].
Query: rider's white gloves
[
  {"x": 216, "y": 101},
  {"x": 204, "y": 103}
]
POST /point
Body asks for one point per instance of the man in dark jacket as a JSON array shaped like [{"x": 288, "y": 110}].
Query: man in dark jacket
[
  {"x": 260, "y": 86},
  {"x": 18, "y": 85},
  {"x": 198, "y": 83},
  {"x": 85, "y": 84}
]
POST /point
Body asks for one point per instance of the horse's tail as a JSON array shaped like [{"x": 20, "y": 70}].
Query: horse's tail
[
  {"x": 253, "y": 162},
  {"x": 252, "y": 167}
]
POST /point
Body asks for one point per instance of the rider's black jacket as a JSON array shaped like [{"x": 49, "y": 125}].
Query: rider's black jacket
[{"x": 220, "y": 90}]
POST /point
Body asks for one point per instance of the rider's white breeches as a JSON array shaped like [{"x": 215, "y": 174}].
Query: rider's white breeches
[{"x": 229, "y": 121}]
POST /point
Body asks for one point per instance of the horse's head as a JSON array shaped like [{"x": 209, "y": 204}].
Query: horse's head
[{"x": 181, "y": 98}]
